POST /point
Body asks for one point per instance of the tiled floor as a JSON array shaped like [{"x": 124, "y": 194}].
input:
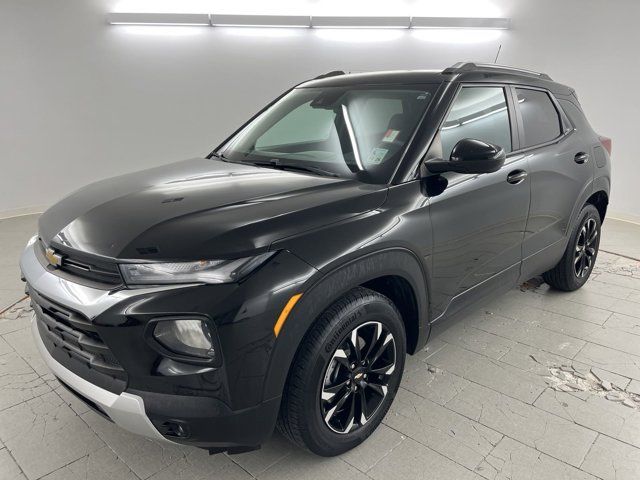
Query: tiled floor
[{"x": 534, "y": 385}]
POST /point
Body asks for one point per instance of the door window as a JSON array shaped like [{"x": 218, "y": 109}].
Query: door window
[
  {"x": 480, "y": 113},
  {"x": 540, "y": 119}
]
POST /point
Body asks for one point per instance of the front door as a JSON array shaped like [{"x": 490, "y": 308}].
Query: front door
[{"x": 478, "y": 222}]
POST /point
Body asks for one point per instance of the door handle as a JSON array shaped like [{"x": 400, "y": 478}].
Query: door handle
[
  {"x": 581, "y": 157},
  {"x": 517, "y": 176}
]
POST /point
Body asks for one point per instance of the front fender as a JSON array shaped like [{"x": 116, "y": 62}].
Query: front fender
[{"x": 323, "y": 289}]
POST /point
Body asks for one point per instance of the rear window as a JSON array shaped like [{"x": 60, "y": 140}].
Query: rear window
[{"x": 540, "y": 119}]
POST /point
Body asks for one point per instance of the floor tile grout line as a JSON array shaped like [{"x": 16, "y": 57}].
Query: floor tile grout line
[
  {"x": 487, "y": 387},
  {"x": 542, "y": 325},
  {"x": 519, "y": 441},
  {"x": 434, "y": 352},
  {"x": 597, "y": 279},
  {"x": 244, "y": 469},
  {"x": 504, "y": 435},
  {"x": 277, "y": 462},
  {"x": 559, "y": 354},
  {"x": 404, "y": 437},
  {"x": 556, "y": 313},
  {"x": 450, "y": 410},
  {"x": 529, "y": 345},
  {"x": 620, "y": 255},
  {"x": 533, "y": 404},
  {"x": 589, "y": 451},
  {"x": 477, "y": 383},
  {"x": 64, "y": 402},
  {"x": 61, "y": 467},
  {"x": 567, "y": 299},
  {"x": 27, "y": 400},
  {"x": 15, "y": 460},
  {"x": 96, "y": 434},
  {"x": 517, "y": 342},
  {"x": 548, "y": 455},
  {"x": 518, "y": 400},
  {"x": 428, "y": 448}
]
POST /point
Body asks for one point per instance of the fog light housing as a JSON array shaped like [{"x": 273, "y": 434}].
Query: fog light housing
[
  {"x": 193, "y": 340},
  {"x": 174, "y": 428}
]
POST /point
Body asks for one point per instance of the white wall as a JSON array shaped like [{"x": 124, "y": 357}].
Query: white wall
[{"x": 81, "y": 100}]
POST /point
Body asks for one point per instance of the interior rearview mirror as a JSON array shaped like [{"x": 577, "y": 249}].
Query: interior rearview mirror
[{"x": 470, "y": 156}]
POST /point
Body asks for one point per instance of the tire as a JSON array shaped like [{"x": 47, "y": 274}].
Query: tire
[
  {"x": 322, "y": 374},
  {"x": 576, "y": 265}
]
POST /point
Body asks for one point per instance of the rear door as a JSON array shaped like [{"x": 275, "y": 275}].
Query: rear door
[
  {"x": 560, "y": 171},
  {"x": 478, "y": 221}
]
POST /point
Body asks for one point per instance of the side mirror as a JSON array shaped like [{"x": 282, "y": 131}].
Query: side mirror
[{"x": 470, "y": 156}]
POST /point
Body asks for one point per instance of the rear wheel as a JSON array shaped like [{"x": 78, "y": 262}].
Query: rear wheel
[
  {"x": 575, "y": 267},
  {"x": 345, "y": 375}
]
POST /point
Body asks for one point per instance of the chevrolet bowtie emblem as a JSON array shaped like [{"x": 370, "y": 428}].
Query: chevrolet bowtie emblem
[{"x": 54, "y": 259}]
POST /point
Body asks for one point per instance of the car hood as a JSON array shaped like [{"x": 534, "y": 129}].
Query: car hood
[{"x": 200, "y": 208}]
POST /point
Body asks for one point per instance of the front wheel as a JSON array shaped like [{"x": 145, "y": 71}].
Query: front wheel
[
  {"x": 575, "y": 267},
  {"x": 345, "y": 374}
]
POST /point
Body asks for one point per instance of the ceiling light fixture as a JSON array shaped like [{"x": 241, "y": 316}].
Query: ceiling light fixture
[
  {"x": 461, "y": 22},
  {"x": 360, "y": 22},
  {"x": 307, "y": 21},
  {"x": 186, "y": 19},
  {"x": 291, "y": 21}
]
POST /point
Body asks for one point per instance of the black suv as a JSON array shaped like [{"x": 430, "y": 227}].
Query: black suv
[{"x": 283, "y": 279}]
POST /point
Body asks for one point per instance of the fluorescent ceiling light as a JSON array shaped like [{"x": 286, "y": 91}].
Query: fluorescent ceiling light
[
  {"x": 360, "y": 22},
  {"x": 158, "y": 19},
  {"x": 306, "y": 21},
  {"x": 261, "y": 20},
  {"x": 460, "y": 22}
]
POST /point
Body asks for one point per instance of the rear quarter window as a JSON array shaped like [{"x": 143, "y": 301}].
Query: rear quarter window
[{"x": 541, "y": 121}]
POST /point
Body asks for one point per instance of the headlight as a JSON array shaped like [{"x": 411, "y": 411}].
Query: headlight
[
  {"x": 189, "y": 337},
  {"x": 203, "y": 271}
]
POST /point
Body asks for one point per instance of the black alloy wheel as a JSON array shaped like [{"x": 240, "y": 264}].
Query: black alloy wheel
[
  {"x": 356, "y": 381},
  {"x": 586, "y": 247},
  {"x": 575, "y": 267}
]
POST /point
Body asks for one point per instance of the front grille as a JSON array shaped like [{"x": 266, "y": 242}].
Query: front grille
[
  {"x": 73, "y": 334},
  {"x": 77, "y": 267},
  {"x": 91, "y": 271}
]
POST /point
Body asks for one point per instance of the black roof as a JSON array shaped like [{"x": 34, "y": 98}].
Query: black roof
[{"x": 465, "y": 71}]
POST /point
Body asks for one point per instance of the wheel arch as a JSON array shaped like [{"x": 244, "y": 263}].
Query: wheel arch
[
  {"x": 600, "y": 200},
  {"x": 401, "y": 293},
  {"x": 394, "y": 272}
]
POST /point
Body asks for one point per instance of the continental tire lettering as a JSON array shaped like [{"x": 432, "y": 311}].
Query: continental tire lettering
[{"x": 340, "y": 332}]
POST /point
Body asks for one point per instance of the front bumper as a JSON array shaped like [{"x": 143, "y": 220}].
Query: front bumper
[
  {"x": 218, "y": 407},
  {"x": 126, "y": 410}
]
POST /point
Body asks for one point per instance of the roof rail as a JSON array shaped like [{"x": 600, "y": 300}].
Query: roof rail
[
  {"x": 461, "y": 67},
  {"x": 334, "y": 73}
]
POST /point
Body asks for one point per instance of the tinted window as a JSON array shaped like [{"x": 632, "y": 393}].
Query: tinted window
[
  {"x": 540, "y": 118},
  {"x": 480, "y": 113}
]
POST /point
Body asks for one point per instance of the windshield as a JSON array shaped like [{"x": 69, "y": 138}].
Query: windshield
[{"x": 350, "y": 132}]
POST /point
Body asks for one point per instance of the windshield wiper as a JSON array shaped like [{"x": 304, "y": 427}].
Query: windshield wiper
[
  {"x": 290, "y": 166},
  {"x": 220, "y": 156}
]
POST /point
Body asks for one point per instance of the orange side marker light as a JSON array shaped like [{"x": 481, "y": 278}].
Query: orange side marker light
[{"x": 285, "y": 313}]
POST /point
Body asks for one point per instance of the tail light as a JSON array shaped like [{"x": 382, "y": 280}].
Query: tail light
[{"x": 606, "y": 143}]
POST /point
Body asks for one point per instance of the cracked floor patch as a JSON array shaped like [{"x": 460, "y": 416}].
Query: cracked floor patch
[
  {"x": 19, "y": 309},
  {"x": 567, "y": 379}
]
